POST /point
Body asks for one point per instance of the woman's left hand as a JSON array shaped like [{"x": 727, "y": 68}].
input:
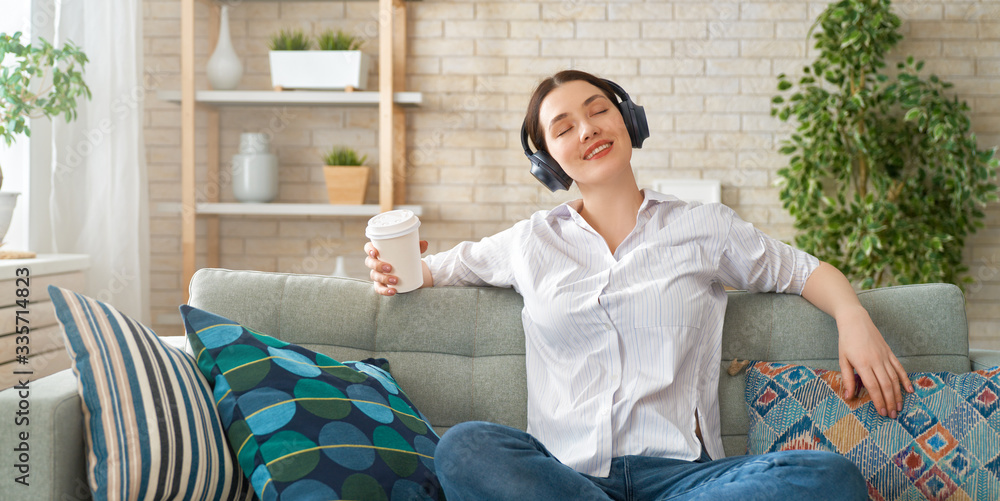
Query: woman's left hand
[{"x": 863, "y": 350}]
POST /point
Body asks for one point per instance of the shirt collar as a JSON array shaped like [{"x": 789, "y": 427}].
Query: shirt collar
[{"x": 570, "y": 209}]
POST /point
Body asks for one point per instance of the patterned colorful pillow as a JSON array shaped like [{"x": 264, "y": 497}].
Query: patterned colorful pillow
[
  {"x": 945, "y": 444},
  {"x": 152, "y": 429},
  {"x": 305, "y": 426}
]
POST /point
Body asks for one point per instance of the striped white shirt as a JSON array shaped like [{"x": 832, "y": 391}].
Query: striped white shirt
[{"x": 623, "y": 348}]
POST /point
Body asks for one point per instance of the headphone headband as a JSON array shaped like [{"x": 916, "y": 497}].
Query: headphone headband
[{"x": 552, "y": 175}]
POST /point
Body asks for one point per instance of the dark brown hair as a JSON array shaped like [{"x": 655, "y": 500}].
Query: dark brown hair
[{"x": 531, "y": 121}]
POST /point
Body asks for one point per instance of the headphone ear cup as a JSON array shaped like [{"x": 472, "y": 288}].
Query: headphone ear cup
[
  {"x": 635, "y": 122},
  {"x": 641, "y": 125},
  {"x": 548, "y": 171}
]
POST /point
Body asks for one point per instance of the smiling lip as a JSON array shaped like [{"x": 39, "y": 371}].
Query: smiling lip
[{"x": 597, "y": 150}]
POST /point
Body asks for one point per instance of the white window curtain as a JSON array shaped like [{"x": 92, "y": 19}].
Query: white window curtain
[{"x": 99, "y": 201}]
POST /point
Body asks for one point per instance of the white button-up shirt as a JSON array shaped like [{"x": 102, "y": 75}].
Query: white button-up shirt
[{"x": 622, "y": 349}]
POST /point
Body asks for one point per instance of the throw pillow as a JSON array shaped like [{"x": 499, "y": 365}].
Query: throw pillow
[
  {"x": 945, "y": 444},
  {"x": 305, "y": 426},
  {"x": 151, "y": 427}
]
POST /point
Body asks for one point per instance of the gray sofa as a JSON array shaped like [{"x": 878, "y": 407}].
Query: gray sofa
[{"x": 459, "y": 352}]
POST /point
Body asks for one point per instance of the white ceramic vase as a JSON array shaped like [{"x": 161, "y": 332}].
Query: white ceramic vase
[
  {"x": 224, "y": 69},
  {"x": 255, "y": 170}
]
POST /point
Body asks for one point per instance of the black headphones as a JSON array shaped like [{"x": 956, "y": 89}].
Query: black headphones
[{"x": 548, "y": 171}]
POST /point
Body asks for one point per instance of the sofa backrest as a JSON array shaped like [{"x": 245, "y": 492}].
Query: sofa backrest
[{"x": 458, "y": 352}]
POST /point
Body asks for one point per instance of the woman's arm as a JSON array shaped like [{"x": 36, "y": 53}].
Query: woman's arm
[
  {"x": 862, "y": 347},
  {"x": 486, "y": 262}
]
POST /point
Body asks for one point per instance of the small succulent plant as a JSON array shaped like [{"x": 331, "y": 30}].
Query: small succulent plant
[
  {"x": 338, "y": 40},
  {"x": 290, "y": 40},
  {"x": 343, "y": 156}
]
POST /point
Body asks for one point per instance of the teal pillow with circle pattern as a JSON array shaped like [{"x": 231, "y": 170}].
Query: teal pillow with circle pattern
[{"x": 307, "y": 427}]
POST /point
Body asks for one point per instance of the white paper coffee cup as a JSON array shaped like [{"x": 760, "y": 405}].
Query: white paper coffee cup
[{"x": 394, "y": 235}]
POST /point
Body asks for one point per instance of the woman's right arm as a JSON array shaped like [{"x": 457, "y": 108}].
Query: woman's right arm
[
  {"x": 482, "y": 263},
  {"x": 381, "y": 270}
]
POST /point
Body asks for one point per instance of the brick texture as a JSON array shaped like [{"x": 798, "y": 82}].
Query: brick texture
[{"x": 705, "y": 71}]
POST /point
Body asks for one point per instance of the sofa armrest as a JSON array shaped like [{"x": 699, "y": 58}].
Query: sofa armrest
[
  {"x": 983, "y": 359},
  {"x": 54, "y": 463}
]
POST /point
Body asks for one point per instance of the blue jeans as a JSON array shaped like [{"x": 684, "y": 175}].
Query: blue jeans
[{"x": 486, "y": 461}]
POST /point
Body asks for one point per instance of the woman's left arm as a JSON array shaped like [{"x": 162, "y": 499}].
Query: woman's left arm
[{"x": 861, "y": 345}]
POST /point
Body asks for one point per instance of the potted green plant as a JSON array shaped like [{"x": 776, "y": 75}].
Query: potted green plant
[
  {"x": 338, "y": 64},
  {"x": 36, "y": 80},
  {"x": 290, "y": 40},
  {"x": 885, "y": 179},
  {"x": 346, "y": 176},
  {"x": 338, "y": 40}
]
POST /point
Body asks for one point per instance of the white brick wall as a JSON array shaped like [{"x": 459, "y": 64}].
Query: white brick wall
[{"x": 705, "y": 71}]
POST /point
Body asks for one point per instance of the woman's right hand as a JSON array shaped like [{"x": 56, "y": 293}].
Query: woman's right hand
[{"x": 384, "y": 282}]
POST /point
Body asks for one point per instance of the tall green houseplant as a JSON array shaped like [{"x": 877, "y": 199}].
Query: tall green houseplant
[
  {"x": 885, "y": 180},
  {"x": 26, "y": 93}
]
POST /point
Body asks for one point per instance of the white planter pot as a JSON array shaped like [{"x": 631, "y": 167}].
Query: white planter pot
[
  {"x": 8, "y": 199},
  {"x": 319, "y": 69}
]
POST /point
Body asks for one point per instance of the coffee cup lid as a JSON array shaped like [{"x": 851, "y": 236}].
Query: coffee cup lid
[{"x": 392, "y": 224}]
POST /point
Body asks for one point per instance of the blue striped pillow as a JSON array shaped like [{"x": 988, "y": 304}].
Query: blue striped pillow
[{"x": 153, "y": 431}]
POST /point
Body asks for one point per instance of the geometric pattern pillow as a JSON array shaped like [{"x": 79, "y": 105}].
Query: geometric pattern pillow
[
  {"x": 152, "y": 430},
  {"x": 305, "y": 426},
  {"x": 945, "y": 444}
]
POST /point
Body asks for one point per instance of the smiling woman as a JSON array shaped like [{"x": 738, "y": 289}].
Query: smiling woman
[{"x": 624, "y": 297}]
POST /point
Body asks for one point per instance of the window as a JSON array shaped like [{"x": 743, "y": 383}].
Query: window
[{"x": 26, "y": 163}]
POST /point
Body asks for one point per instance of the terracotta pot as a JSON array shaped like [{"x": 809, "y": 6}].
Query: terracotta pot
[{"x": 346, "y": 185}]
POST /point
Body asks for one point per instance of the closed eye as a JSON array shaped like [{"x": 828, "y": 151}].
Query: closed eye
[{"x": 571, "y": 128}]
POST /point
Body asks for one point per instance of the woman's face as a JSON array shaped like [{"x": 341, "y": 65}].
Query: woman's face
[{"x": 585, "y": 133}]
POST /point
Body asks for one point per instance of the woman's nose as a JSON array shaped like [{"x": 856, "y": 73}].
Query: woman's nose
[{"x": 588, "y": 130}]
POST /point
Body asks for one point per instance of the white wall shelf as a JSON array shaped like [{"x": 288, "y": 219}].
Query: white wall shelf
[
  {"x": 291, "y": 98},
  {"x": 289, "y": 1},
  {"x": 273, "y": 209},
  {"x": 279, "y": 209}
]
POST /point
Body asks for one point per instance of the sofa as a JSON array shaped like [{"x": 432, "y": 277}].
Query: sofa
[{"x": 459, "y": 352}]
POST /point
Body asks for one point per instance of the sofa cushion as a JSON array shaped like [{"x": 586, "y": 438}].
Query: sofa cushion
[
  {"x": 151, "y": 427},
  {"x": 945, "y": 444},
  {"x": 305, "y": 426}
]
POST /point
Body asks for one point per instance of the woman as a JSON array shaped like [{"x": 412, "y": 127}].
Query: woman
[{"x": 624, "y": 301}]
